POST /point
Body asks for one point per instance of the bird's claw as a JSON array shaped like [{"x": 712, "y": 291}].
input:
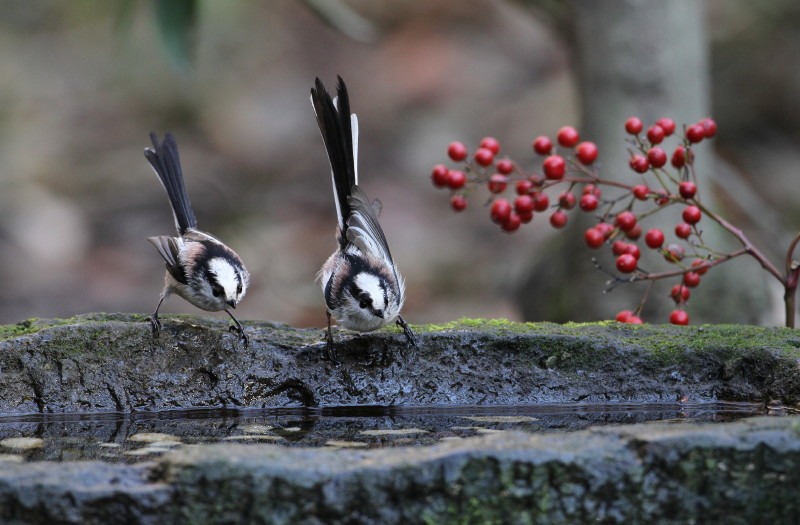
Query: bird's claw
[
  {"x": 155, "y": 325},
  {"x": 330, "y": 349},
  {"x": 242, "y": 336}
]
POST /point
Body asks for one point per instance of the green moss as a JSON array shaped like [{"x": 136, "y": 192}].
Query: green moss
[
  {"x": 580, "y": 346},
  {"x": 15, "y": 330}
]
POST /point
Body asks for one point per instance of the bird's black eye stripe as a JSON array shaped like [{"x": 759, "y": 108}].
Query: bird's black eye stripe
[
  {"x": 216, "y": 289},
  {"x": 364, "y": 300}
]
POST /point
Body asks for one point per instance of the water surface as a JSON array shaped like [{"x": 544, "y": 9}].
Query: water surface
[{"x": 131, "y": 437}]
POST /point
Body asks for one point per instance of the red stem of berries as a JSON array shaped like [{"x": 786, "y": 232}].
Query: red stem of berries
[{"x": 618, "y": 226}]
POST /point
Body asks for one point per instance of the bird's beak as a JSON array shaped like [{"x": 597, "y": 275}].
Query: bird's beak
[{"x": 232, "y": 304}]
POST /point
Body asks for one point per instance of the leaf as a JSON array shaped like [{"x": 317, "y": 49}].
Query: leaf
[{"x": 176, "y": 20}]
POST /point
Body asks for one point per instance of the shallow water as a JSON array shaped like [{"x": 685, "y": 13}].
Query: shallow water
[{"x": 117, "y": 437}]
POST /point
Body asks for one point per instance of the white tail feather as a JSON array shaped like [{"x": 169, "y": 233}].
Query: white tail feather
[{"x": 354, "y": 125}]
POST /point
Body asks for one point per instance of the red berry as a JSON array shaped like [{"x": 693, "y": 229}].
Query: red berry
[
  {"x": 633, "y": 250},
  {"x": 525, "y": 217},
  {"x": 634, "y": 233},
  {"x": 458, "y": 202},
  {"x": 524, "y": 187},
  {"x": 497, "y": 183},
  {"x": 586, "y": 152},
  {"x": 523, "y": 204},
  {"x": 588, "y": 202},
  {"x": 683, "y": 230},
  {"x": 554, "y": 167},
  {"x": 491, "y": 144},
  {"x": 667, "y": 124},
  {"x": 626, "y": 263},
  {"x": 619, "y": 247},
  {"x": 679, "y": 317},
  {"x": 542, "y": 145},
  {"x": 604, "y": 228},
  {"x": 457, "y": 151},
  {"x": 500, "y": 211},
  {"x": 691, "y": 279},
  {"x": 679, "y": 157},
  {"x": 625, "y": 220},
  {"x": 679, "y": 293},
  {"x": 484, "y": 156},
  {"x": 566, "y": 200},
  {"x": 568, "y": 136},
  {"x": 695, "y": 133},
  {"x": 639, "y": 163},
  {"x": 540, "y": 201},
  {"x": 687, "y": 189},
  {"x": 591, "y": 189},
  {"x": 654, "y": 238},
  {"x": 623, "y": 316},
  {"x": 699, "y": 262},
  {"x": 558, "y": 219},
  {"x": 511, "y": 223},
  {"x": 692, "y": 214},
  {"x": 504, "y": 166},
  {"x": 594, "y": 237},
  {"x": 675, "y": 253},
  {"x": 640, "y": 191},
  {"x": 633, "y": 125},
  {"x": 456, "y": 179},
  {"x": 657, "y": 157},
  {"x": 440, "y": 175},
  {"x": 655, "y": 134},
  {"x": 709, "y": 126},
  {"x": 634, "y": 320}
]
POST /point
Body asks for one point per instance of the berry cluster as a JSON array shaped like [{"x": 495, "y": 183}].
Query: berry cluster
[{"x": 663, "y": 177}]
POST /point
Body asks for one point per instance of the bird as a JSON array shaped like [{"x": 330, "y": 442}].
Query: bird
[
  {"x": 200, "y": 268},
  {"x": 362, "y": 287}
]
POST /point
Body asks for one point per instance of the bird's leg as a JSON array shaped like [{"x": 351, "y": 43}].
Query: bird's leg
[
  {"x": 412, "y": 340},
  {"x": 155, "y": 324},
  {"x": 238, "y": 328},
  {"x": 330, "y": 349}
]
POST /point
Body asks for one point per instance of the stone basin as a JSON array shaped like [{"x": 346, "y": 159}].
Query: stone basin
[{"x": 744, "y": 471}]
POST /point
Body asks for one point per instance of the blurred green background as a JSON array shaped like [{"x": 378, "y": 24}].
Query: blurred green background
[{"x": 82, "y": 83}]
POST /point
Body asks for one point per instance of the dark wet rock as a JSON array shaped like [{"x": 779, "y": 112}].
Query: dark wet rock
[
  {"x": 743, "y": 472},
  {"x": 110, "y": 362}
]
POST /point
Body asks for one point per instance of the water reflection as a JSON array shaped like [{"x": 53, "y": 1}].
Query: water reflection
[{"x": 134, "y": 437}]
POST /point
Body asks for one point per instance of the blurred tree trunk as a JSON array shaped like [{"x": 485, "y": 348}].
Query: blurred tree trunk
[{"x": 648, "y": 58}]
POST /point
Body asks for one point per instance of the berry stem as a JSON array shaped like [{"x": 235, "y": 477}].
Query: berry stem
[
  {"x": 790, "y": 286},
  {"x": 683, "y": 270}
]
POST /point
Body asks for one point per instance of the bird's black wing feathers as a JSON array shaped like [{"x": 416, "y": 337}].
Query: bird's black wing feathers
[
  {"x": 335, "y": 124},
  {"x": 169, "y": 250},
  {"x": 163, "y": 156}
]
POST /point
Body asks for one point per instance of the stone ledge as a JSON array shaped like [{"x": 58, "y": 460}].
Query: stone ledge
[
  {"x": 110, "y": 362},
  {"x": 743, "y": 472}
]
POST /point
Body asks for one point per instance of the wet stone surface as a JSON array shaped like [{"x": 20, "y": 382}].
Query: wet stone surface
[{"x": 111, "y": 362}]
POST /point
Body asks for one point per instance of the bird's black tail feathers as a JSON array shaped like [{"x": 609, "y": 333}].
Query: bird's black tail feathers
[
  {"x": 163, "y": 156},
  {"x": 335, "y": 124}
]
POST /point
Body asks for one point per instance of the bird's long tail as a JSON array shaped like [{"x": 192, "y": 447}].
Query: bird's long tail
[
  {"x": 339, "y": 130},
  {"x": 164, "y": 159}
]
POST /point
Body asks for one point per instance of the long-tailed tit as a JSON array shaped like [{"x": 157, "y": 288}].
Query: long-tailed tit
[
  {"x": 200, "y": 268},
  {"x": 362, "y": 287}
]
